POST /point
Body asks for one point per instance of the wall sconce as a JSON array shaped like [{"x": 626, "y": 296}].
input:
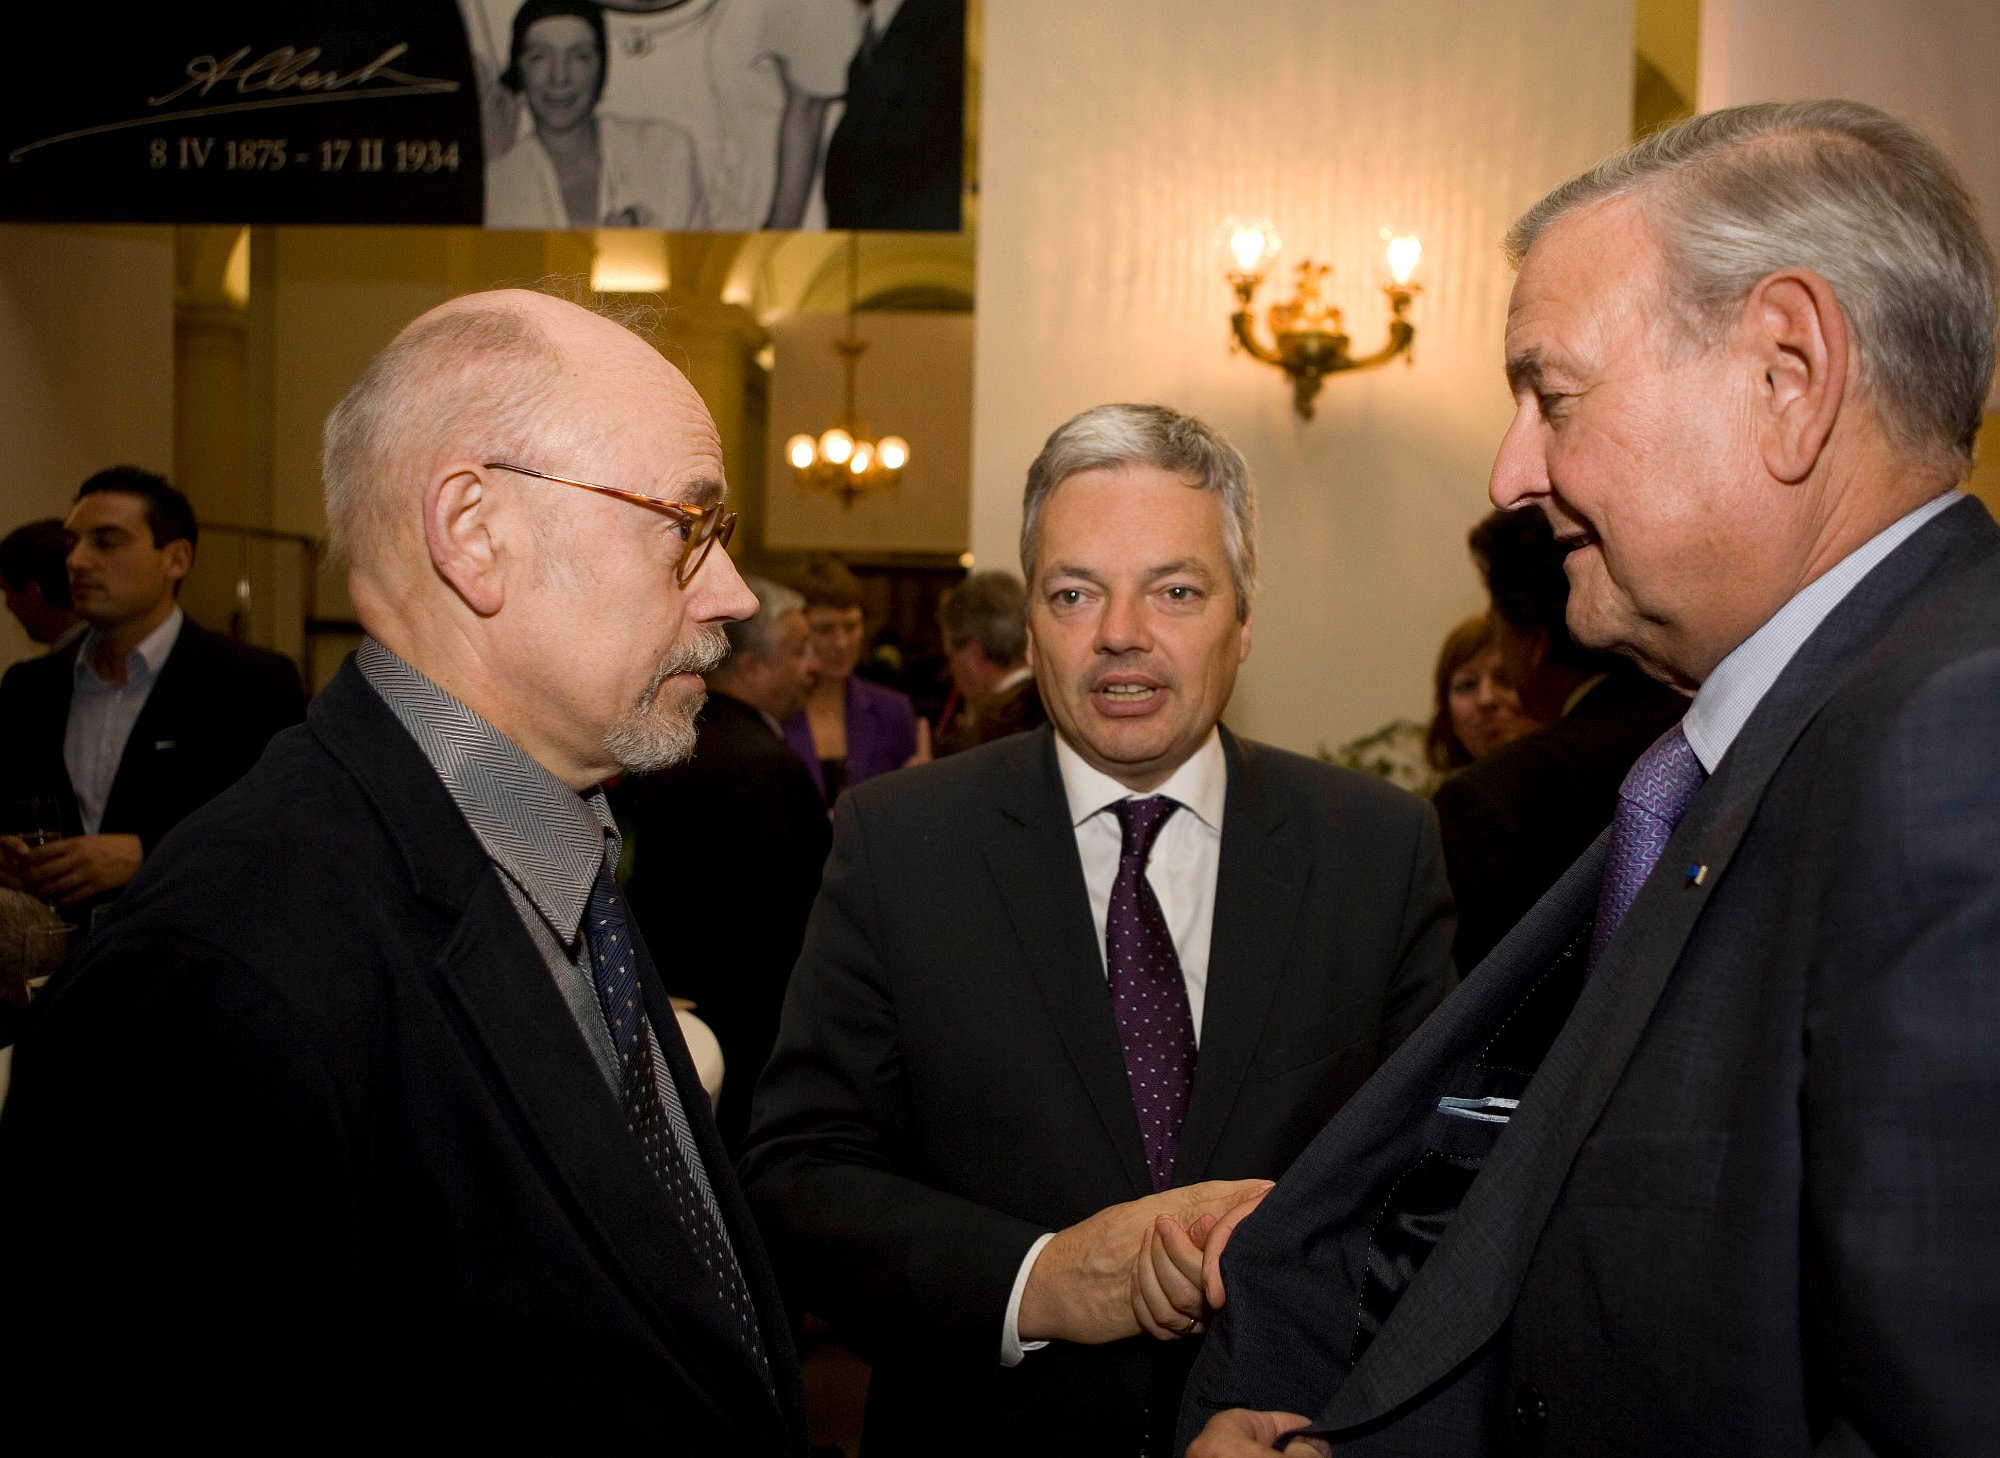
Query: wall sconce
[{"x": 1308, "y": 342}]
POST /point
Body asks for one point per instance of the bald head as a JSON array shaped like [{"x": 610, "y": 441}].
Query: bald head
[{"x": 505, "y": 375}]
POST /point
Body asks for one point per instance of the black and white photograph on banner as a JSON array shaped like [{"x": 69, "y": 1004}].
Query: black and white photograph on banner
[{"x": 722, "y": 115}]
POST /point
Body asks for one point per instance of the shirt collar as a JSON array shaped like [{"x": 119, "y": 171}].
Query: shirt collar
[
  {"x": 1201, "y": 783},
  {"x": 141, "y": 663},
  {"x": 1732, "y": 692},
  {"x": 545, "y": 837}
]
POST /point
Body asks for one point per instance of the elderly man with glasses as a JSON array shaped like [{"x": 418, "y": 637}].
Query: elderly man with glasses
[{"x": 370, "y": 1102}]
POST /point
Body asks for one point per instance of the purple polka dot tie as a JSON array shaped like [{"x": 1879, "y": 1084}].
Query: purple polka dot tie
[
  {"x": 1651, "y": 801},
  {"x": 1148, "y": 993}
]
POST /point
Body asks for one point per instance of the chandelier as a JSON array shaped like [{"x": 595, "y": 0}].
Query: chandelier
[
  {"x": 1308, "y": 341},
  {"x": 847, "y": 458}
]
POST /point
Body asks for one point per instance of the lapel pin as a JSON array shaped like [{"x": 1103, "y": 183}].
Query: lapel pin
[{"x": 1697, "y": 873}]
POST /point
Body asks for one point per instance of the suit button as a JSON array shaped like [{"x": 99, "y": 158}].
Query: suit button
[{"x": 1531, "y": 1413}]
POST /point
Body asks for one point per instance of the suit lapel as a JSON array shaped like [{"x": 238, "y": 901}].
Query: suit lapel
[
  {"x": 1259, "y": 884},
  {"x": 1467, "y": 1289},
  {"x": 139, "y": 766},
  {"x": 1032, "y": 855},
  {"x": 489, "y": 968}
]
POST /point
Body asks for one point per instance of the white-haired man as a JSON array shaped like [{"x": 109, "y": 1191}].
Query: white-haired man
[
  {"x": 368, "y": 1115},
  {"x": 1699, "y": 1161},
  {"x": 1078, "y": 989}
]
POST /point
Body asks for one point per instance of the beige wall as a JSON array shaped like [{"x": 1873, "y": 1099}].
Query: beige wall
[
  {"x": 86, "y": 367},
  {"x": 1117, "y": 135},
  {"x": 916, "y": 382}
]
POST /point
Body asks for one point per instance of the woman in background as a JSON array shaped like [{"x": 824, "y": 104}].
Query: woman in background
[
  {"x": 850, "y": 730},
  {"x": 1476, "y": 708}
]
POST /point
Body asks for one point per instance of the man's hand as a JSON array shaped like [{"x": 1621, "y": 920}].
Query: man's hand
[
  {"x": 1177, "y": 1281},
  {"x": 923, "y": 754},
  {"x": 73, "y": 870},
  {"x": 1080, "y": 1288},
  {"x": 14, "y": 855},
  {"x": 1240, "y": 1433}
]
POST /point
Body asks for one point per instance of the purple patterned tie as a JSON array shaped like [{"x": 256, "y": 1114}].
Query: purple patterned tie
[
  {"x": 1148, "y": 994},
  {"x": 1651, "y": 801}
]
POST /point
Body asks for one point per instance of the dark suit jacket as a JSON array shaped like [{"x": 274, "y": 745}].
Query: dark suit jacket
[
  {"x": 316, "y": 1149},
  {"x": 1013, "y": 712},
  {"x": 948, "y": 1082},
  {"x": 1746, "y": 1203},
  {"x": 881, "y": 733},
  {"x": 215, "y": 706},
  {"x": 727, "y": 853},
  {"x": 1514, "y": 821},
  {"x": 896, "y": 157}
]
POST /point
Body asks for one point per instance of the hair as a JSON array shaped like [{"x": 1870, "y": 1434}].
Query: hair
[
  {"x": 1839, "y": 188},
  {"x": 757, "y": 635},
  {"x": 477, "y": 379},
  {"x": 169, "y": 517},
  {"x": 1522, "y": 563},
  {"x": 990, "y": 609},
  {"x": 36, "y": 555},
  {"x": 827, "y": 583},
  {"x": 1111, "y": 437},
  {"x": 590, "y": 14},
  {"x": 1461, "y": 645}
]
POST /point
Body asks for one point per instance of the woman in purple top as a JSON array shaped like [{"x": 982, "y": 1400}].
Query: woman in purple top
[{"x": 851, "y": 730}]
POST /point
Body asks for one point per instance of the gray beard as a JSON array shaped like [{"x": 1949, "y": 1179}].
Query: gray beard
[{"x": 647, "y": 738}]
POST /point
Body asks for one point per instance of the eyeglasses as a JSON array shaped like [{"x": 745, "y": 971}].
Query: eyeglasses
[{"x": 707, "y": 526}]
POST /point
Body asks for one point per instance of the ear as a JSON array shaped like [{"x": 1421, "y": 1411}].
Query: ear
[
  {"x": 1030, "y": 625},
  {"x": 1243, "y": 636},
  {"x": 179, "y": 555},
  {"x": 464, "y": 538},
  {"x": 1798, "y": 338}
]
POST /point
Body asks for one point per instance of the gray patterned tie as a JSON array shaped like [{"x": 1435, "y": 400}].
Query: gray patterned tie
[
  {"x": 615, "y": 970},
  {"x": 1651, "y": 801},
  {"x": 1148, "y": 993}
]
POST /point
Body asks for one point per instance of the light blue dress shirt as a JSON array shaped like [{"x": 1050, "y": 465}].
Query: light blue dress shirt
[
  {"x": 101, "y": 714},
  {"x": 1731, "y": 693}
]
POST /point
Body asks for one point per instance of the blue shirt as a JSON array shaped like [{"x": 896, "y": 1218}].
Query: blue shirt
[
  {"x": 101, "y": 714},
  {"x": 1731, "y": 693}
]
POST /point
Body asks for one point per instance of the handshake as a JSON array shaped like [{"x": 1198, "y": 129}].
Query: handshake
[{"x": 1150, "y": 1265}]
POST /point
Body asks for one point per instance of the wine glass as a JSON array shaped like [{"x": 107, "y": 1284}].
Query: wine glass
[{"x": 37, "y": 820}]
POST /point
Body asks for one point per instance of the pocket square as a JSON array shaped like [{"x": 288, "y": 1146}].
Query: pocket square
[
  {"x": 1486, "y": 1111},
  {"x": 166, "y": 744}
]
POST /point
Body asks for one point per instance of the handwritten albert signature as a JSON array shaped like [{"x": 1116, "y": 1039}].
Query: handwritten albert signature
[{"x": 288, "y": 69}]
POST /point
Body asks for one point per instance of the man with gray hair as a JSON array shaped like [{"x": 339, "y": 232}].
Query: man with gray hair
[
  {"x": 763, "y": 820},
  {"x": 984, "y": 621},
  {"x": 368, "y": 1098},
  {"x": 1700, "y": 1159},
  {"x": 1069, "y": 995}
]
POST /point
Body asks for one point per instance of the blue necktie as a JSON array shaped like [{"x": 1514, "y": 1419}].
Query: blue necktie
[
  {"x": 648, "y": 1087},
  {"x": 1148, "y": 993},
  {"x": 1651, "y": 801}
]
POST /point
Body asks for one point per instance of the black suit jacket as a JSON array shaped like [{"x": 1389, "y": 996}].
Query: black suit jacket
[
  {"x": 948, "y": 1082},
  {"x": 727, "y": 853},
  {"x": 215, "y": 706},
  {"x": 1514, "y": 821},
  {"x": 316, "y": 1149},
  {"x": 896, "y": 158},
  {"x": 1746, "y": 1203}
]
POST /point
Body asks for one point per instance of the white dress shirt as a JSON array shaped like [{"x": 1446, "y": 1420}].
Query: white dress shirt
[
  {"x": 101, "y": 714},
  {"x": 1732, "y": 692},
  {"x": 1181, "y": 870}
]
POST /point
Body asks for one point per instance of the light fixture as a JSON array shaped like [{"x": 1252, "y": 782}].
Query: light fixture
[
  {"x": 1308, "y": 342},
  {"x": 846, "y": 458}
]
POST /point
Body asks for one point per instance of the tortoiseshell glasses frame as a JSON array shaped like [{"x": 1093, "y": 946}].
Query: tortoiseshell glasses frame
[{"x": 707, "y": 526}]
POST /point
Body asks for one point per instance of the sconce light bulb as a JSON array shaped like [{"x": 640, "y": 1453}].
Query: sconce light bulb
[
  {"x": 858, "y": 463},
  {"x": 799, "y": 451},
  {"x": 1404, "y": 252},
  {"x": 893, "y": 452},
  {"x": 836, "y": 446},
  {"x": 1251, "y": 244}
]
